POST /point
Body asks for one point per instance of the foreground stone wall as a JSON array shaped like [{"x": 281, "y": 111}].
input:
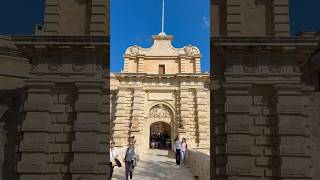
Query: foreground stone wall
[
  {"x": 199, "y": 163},
  {"x": 263, "y": 118},
  {"x": 64, "y": 133}
]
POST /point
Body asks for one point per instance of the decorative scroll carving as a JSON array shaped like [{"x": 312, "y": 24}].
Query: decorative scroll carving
[
  {"x": 250, "y": 66},
  {"x": 35, "y": 67},
  {"x": 190, "y": 50},
  {"x": 296, "y": 69},
  {"x": 55, "y": 65},
  {"x": 159, "y": 111},
  {"x": 134, "y": 50},
  {"x": 78, "y": 66},
  {"x": 275, "y": 67}
]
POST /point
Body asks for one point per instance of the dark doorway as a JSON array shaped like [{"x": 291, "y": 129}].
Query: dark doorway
[{"x": 160, "y": 135}]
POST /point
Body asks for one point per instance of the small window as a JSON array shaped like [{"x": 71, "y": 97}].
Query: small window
[{"x": 162, "y": 69}]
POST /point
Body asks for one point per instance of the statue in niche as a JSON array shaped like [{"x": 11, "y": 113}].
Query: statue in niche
[{"x": 159, "y": 111}]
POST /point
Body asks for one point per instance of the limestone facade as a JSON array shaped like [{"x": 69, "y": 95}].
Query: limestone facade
[
  {"x": 161, "y": 84},
  {"x": 264, "y": 96},
  {"x": 54, "y": 96}
]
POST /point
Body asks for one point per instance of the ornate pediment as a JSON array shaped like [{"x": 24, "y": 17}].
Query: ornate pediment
[{"x": 160, "y": 111}]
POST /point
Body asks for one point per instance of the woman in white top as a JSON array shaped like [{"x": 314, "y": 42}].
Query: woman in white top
[
  {"x": 114, "y": 153},
  {"x": 177, "y": 148}
]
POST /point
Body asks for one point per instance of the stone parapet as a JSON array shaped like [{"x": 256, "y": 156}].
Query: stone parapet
[{"x": 199, "y": 164}]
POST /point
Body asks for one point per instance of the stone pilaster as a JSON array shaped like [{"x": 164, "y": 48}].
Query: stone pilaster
[
  {"x": 202, "y": 102},
  {"x": 140, "y": 64},
  {"x": 89, "y": 144},
  {"x": 235, "y": 135},
  {"x": 99, "y": 21},
  {"x": 183, "y": 64},
  {"x": 126, "y": 64},
  {"x": 197, "y": 65},
  {"x": 294, "y": 133},
  {"x": 138, "y": 116},
  {"x": 37, "y": 147},
  {"x": 281, "y": 17},
  {"x": 184, "y": 112},
  {"x": 123, "y": 116}
]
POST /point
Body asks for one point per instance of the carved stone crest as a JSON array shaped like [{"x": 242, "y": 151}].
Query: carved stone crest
[
  {"x": 159, "y": 111},
  {"x": 134, "y": 50},
  {"x": 190, "y": 50}
]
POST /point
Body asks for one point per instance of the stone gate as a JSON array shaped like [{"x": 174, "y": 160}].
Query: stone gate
[{"x": 161, "y": 83}]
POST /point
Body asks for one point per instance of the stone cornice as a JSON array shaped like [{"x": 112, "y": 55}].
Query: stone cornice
[
  {"x": 265, "y": 40},
  {"x": 61, "y": 42},
  {"x": 266, "y": 44},
  {"x": 160, "y": 76}
]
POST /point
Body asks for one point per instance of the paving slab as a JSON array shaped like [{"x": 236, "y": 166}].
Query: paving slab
[{"x": 156, "y": 165}]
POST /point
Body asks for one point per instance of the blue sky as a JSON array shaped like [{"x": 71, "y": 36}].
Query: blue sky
[{"x": 134, "y": 21}]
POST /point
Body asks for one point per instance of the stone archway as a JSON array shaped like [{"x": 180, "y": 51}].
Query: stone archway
[{"x": 159, "y": 113}]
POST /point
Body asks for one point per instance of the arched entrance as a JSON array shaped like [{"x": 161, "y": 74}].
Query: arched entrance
[
  {"x": 160, "y": 135},
  {"x": 160, "y": 117}
]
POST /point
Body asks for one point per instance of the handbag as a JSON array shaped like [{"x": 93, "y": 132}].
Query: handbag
[
  {"x": 134, "y": 163},
  {"x": 118, "y": 162}
]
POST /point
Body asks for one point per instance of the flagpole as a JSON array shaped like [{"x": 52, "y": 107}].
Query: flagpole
[{"x": 162, "y": 16}]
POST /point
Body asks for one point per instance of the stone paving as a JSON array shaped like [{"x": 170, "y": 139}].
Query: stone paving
[{"x": 156, "y": 165}]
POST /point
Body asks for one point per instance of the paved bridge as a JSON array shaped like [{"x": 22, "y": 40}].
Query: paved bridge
[{"x": 156, "y": 165}]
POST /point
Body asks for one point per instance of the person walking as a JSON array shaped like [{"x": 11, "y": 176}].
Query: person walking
[
  {"x": 184, "y": 148},
  {"x": 177, "y": 148},
  {"x": 130, "y": 159},
  {"x": 114, "y": 153}
]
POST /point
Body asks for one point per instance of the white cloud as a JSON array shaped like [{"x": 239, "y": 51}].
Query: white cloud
[{"x": 206, "y": 21}]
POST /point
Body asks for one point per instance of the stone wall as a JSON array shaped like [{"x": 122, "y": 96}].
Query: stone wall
[
  {"x": 250, "y": 18},
  {"x": 199, "y": 163},
  {"x": 262, "y": 111}
]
